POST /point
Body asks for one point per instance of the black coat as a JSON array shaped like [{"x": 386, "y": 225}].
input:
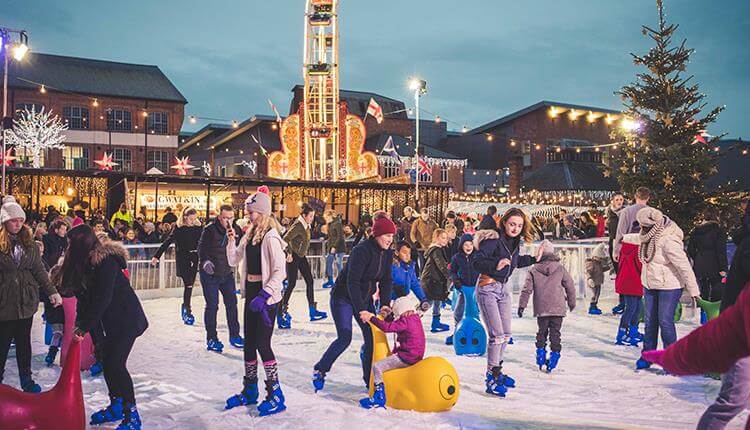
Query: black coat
[
  {"x": 185, "y": 239},
  {"x": 435, "y": 275},
  {"x": 739, "y": 275},
  {"x": 708, "y": 249},
  {"x": 492, "y": 247},
  {"x": 612, "y": 219},
  {"x": 212, "y": 246},
  {"x": 54, "y": 248},
  {"x": 107, "y": 301},
  {"x": 368, "y": 265},
  {"x": 487, "y": 223}
]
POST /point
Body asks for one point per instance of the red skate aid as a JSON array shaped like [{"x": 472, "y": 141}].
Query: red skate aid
[{"x": 59, "y": 408}]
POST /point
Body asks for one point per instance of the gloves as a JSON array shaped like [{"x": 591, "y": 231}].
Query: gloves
[
  {"x": 208, "y": 267},
  {"x": 520, "y": 312},
  {"x": 259, "y": 304},
  {"x": 655, "y": 356},
  {"x": 424, "y": 305}
]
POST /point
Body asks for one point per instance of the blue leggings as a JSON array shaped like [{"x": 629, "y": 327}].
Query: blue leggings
[{"x": 632, "y": 312}]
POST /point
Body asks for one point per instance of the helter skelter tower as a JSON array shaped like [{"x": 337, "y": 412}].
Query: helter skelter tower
[{"x": 322, "y": 141}]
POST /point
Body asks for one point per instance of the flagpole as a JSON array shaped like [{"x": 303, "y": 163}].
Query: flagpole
[{"x": 416, "y": 150}]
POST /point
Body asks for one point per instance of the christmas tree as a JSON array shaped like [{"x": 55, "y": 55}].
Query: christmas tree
[{"x": 665, "y": 144}]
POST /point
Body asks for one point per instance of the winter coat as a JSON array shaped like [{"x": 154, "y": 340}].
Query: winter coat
[
  {"x": 106, "y": 300},
  {"x": 612, "y": 219},
  {"x": 462, "y": 269},
  {"x": 628, "y": 281},
  {"x": 453, "y": 247},
  {"x": 367, "y": 269},
  {"x": 410, "y": 340},
  {"x": 491, "y": 247},
  {"x": 298, "y": 238},
  {"x": 571, "y": 233},
  {"x": 589, "y": 231},
  {"x": 136, "y": 252},
  {"x": 708, "y": 249},
  {"x": 487, "y": 223},
  {"x": 20, "y": 284},
  {"x": 54, "y": 248},
  {"x": 601, "y": 225},
  {"x": 185, "y": 239},
  {"x": 421, "y": 233},
  {"x": 435, "y": 274},
  {"x": 738, "y": 276},
  {"x": 670, "y": 268},
  {"x": 335, "y": 236},
  {"x": 404, "y": 278},
  {"x": 626, "y": 223},
  {"x": 169, "y": 217},
  {"x": 152, "y": 237},
  {"x": 272, "y": 262},
  {"x": 405, "y": 229},
  {"x": 597, "y": 265},
  {"x": 715, "y": 346},
  {"x": 212, "y": 246},
  {"x": 126, "y": 217},
  {"x": 553, "y": 288}
]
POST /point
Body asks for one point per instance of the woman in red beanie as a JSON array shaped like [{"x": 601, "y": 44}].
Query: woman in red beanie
[{"x": 367, "y": 270}]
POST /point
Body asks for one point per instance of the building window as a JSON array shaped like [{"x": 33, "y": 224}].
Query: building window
[
  {"x": 223, "y": 170},
  {"x": 26, "y": 158},
  {"x": 123, "y": 158},
  {"x": 158, "y": 159},
  {"x": 425, "y": 177},
  {"x": 527, "y": 154},
  {"x": 76, "y": 117},
  {"x": 444, "y": 173},
  {"x": 75, "y": 158},
  {"x": 391, "y": 169},
  {"x": 20, "y": 107},
  {"x": 119, "y": 120},
  {"x": 157, "y": 122}
]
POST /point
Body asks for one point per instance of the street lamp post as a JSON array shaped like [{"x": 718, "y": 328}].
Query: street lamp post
[
  {"x": 419, "y": 87},
  {"x": 20, "y": 49}
]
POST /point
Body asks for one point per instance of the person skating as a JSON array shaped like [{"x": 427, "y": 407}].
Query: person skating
[
  {"x": 707, "y": 248},
  {"x": 97, "y": 275},
  {"x": 23, "y": 275},
  {"x": 628, "y": 285},
  {"x": 298, "y": 243},
  {"x": 462, "y": 273},
  {"x": 408, "y": 349},
  {"x": 498, "y": 255},
  {"x": 596, "y": 266},
  {"x": 367, "y": 270},
  {"x": 613, "y": 216},
  {"x": 435, "y": 277},
  {"x": 185, "y": 237},
  {"x": 262, "y": 264},
  {"x": 666, "y": 269},
  {"x": 554, "y": 290},
  {"x": 404, "y": 276},
  {"x": 335, "y": 245},
  {"x": 217, "y": 277},
  {"x": 421, "y": 235}
]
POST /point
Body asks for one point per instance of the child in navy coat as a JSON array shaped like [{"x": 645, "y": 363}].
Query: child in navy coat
[{"x": 462, "y": 273}]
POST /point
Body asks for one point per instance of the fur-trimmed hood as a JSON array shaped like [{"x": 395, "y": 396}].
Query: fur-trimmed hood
[
  {"x": 106, "y": 249},
  {"x": 482, "y": 235}
]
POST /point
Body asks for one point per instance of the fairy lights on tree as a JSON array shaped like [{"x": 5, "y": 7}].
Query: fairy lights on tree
[{"x": 35, "y": 132}]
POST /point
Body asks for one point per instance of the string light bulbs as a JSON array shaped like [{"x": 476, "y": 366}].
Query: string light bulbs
[
  {"x": 95, "y": 103},
  {"x": 43, "y": 89},
  {"x": 192, "y": 119}
]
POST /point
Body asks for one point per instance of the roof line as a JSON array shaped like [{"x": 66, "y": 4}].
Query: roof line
[
  {"x": 96, "y": 60},
  {"x": 362, "y": 92},
  {"x": 200, "y": 134},
  {"x": 241, "y": 128}
]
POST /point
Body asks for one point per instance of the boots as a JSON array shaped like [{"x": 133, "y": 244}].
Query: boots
[
  {"x": 315, "y": 314},
  {"x": 214, "y": 345},
  {"x": 51, "y": 355},
  {"x": 237, "y": 342},
  {"x": 319, "y": 380},
  {"x": 617, "y": 310},
  {"x": 622, "y": 337},
  {"x": 449, "y": 340},
  {"x": 329, "y": 283},
  {"x": 187, "y": 315},
  {"x": 437, "y": 326},
  {"x": 634, "y": 336},
  {"x": 594, "y": 310},
  {"x": 96, "y": 369},
  {"x": 283, "y": 319},
  {"x": 554, "y": 357},
  {"x": 541, "y": 357},
  {"x": 494, "y": 387},
  {"x": 642, "y": 364},
  {"x": 112, "y": 413},
  {"x": 248, "y": 396},
  {"x": 274, "y": 402},
  {"x": 131, "y": 421},
  {"x": 28, "y": 385},
  {"x": 377, "y": 400}
]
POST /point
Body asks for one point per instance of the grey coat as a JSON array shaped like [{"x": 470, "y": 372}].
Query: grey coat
[{"x": 552, "y": 286}]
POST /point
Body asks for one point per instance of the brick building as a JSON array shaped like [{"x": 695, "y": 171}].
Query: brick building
[{"x": 130, "y": 111}]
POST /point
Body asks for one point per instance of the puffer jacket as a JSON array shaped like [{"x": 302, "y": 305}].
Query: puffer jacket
[
  {"x": 404, "y": 278},
  {"x": 20, "y": 284},
  {"x": 462, "y": 266},
  {"x": 298, "y": 238},
  {"x": 435, "y": 274},
  {"x": 628, "y": 281},
  {"x": 708, "y": 249},
  {"x": 670, "y": 268},
  {"x": 553, "y": 288}
]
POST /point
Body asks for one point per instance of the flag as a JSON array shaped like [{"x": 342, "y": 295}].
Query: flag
[
  {"x": 375, "y": 110},
  {"x": 263, "y": 151},
  {"x": 390, "y": 149},
  {"x": 424, "y": 168},
  {"x": 276, "y": 111}
]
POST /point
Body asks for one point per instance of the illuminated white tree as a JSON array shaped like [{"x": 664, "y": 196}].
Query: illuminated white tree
[{"x": 36, "y": 132}]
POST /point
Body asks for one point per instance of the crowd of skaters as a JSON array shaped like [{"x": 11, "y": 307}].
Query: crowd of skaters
[{"x": 645, "y": 249}]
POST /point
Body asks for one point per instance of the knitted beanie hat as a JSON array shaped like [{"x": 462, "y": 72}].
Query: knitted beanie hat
[
  {"x": 649, "y": 216},
  {"x": 383, "y": 226},
  {"x": 11, "y": 210},
  {"x": 259, "y": 202}
]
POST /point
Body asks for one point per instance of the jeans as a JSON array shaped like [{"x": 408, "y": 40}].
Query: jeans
[
  {"x": 632, "y": 311},
  {"x": 660, "y": 309},
  {"x": 436, "y": 305},
  {"x": 495, "y": 304},
  {"x": 116, "y": 350},
  {"x": 303, "y": 266},
  {"x": 212, "y": 286},
  {"x": 339, "y": 259},
  {"x": 458, "y": 310},
  {"x": 20, "y": 330},
  {"x": 343, "y": 312},
  {"x": 734, "y": 397}
]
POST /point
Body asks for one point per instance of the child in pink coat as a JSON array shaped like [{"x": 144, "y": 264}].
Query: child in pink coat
[{"x": 409, "y": 348}]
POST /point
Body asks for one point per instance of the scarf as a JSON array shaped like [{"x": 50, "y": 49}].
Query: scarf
[{"x": 647, "y": 250}]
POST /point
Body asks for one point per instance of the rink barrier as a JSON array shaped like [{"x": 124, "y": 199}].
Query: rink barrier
[{"x": 151, "y": 282}]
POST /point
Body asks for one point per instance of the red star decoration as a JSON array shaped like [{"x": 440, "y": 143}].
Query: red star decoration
[
  {"x": 106, "y": 162},
  {"x": 701, "y": 137},
  {"x": 182, "y": 165},
  {"x": 8, "y": 158}
]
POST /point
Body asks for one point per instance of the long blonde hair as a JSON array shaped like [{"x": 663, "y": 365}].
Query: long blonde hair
[
  {"x": 24, "y": 236},
  {"x": 265, "y": 223},
  {"x": 189, "y": 210}
]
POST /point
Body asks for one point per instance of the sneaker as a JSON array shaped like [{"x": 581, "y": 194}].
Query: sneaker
[
  {"x": 315, "y": 314},
  {"x": 554, "y": 357},
  {"x": 437, "y": 326},
  {"x": 284, "y": 320}
]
